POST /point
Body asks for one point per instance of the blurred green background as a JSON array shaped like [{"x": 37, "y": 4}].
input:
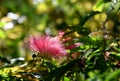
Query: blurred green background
[{"x": 21, "y": 18}]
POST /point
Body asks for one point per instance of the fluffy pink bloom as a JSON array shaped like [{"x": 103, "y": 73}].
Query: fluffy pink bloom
[
  {"x": 61, "y": 33},
  {"x": 47, "y": 46}
]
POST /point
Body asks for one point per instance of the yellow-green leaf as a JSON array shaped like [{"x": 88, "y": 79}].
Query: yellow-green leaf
[{"x": 2, "y": 34}]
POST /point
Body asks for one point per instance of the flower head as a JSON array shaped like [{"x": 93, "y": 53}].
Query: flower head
[
  {"x": 47, "y": 46},
  {"x": 61, "y": 33}
]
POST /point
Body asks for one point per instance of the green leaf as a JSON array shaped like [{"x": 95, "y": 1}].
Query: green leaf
[
  {"x": 107, "y": 7},
  {"x": 50, "y": 65},
  {"x": 2, "y": 34},
  {"x": 115, "y": 56},
  {"x": 66, "y": 79},
  {"x": 80, "y": 76},
  {"x": 117, "y": 6},
  {"x": 99, "y": 6},
  {"x": 113, "y": 76},
  {"x": 56, "y": 74},
  {"x": 2, "y": 24}
]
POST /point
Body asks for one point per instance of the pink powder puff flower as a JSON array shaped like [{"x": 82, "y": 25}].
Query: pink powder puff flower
[
  {"x": 47, "y": 46},
  {"x": 107, "y": 55},
  {"x": 61, "y": 33}
]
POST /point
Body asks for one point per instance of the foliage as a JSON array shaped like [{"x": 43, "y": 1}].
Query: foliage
[{"x": 94, "y": 24}]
